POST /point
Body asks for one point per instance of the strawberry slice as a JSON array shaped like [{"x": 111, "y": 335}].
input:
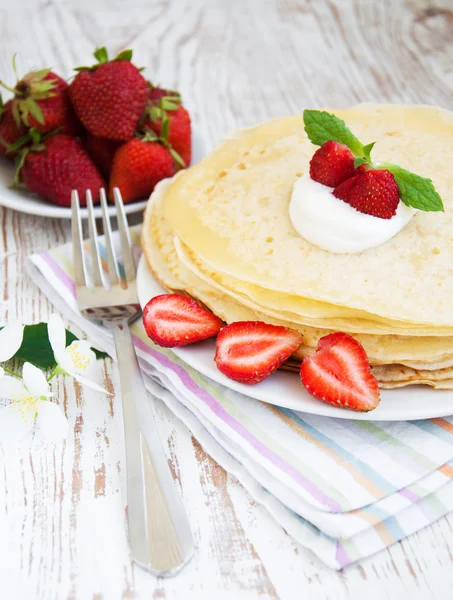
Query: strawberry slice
[
  {"x": 175, "y": 320},
  {"x": 339, "y": 373},
  {"x": 332, "y": 164},
  {"x": 249, "y": 351}
]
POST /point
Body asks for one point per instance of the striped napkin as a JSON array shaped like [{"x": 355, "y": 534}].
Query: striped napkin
[{"x": 343, "y": 488}]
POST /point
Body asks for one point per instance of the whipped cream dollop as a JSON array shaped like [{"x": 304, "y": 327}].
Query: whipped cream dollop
[{"x": 332, "y": 224}]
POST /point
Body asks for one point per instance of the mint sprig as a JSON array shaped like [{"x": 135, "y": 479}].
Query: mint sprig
[{"x": 418, "y": 192}]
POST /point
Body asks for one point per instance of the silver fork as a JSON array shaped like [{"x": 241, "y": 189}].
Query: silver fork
[{"x": 159, "y": 533}]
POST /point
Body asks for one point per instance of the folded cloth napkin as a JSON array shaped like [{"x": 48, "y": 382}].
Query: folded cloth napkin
[{"x": 343, "y": 488}]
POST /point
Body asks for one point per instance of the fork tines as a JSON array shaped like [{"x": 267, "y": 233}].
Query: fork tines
[{"x": 80, "y": 270}]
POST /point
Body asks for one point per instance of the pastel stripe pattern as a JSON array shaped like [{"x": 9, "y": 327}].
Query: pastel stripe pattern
[{"x": 345, "y": 489}]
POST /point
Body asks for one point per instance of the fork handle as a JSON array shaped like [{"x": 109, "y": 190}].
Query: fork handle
[{"x": 159, "y": 533}]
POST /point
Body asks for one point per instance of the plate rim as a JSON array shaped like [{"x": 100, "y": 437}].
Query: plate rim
[{"x": 144, "y": 274}]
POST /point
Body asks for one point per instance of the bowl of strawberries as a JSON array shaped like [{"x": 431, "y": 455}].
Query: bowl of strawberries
[{"x": 109, "y": 127}]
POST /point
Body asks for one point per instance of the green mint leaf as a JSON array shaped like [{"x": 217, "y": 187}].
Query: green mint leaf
[
  {"x": 125, "y": 55},
  {"x": 359, "y": 160},
  {"x": 36, "y": 348},
  {"x": 418, "y": 192},
  {"x": 367, "y": 151},
  {"x": 101, "y": 55},
  {"x": 322, "y": 126}
]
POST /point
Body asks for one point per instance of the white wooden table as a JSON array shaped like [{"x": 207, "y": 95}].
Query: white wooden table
[{"x": 236, "y": 62}]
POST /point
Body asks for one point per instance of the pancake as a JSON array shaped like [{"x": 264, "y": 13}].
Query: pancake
[{"x": 231, "y": 210}]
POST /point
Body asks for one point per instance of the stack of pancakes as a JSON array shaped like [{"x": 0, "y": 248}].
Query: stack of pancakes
[{"x": 221, "y": 232}]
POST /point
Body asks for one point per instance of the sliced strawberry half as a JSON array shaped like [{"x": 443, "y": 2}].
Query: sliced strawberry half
[
  {"x": 332, "y": 164},
  {"x": 175, "y": 320},
  {"x": 249, "y": 351},
  {"x": 339, "y": 373}
]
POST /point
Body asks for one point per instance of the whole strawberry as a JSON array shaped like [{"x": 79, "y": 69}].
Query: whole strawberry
[
  {"x": 166, "y": 116},
  {"x": 102, "y": 152},
  {"x": 110, "y": 97},
  {"x": 10, "y": 133},
  {"x": 332, "y": 164},
  {"x": 54, "y": 167},
  {"x": 41, "y": 101},
  {"x": 373, "y": 192},
  {"x": 138, "y": 167}
]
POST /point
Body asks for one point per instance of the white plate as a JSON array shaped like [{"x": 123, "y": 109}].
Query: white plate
[
  {"x": 285, "y": 389},
  {"x": 24, "y": 201}
]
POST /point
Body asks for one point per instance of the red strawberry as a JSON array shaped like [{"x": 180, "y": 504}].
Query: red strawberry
[
  {"x": 102, "y": 152},
  {"x": 138, "y": 166},
  {"x": 339, "y": 373},
  {"x": 174, "y": 320},
  {"x": 58, "y": 165},
  {"x": 332, "y": 164},
  {"x": 373, "y": 192},
  {"x": 41, "y": 101},
  {"x": 9, "y": 131},
  {"x": 165, "y": 107},
  {"x": 110, "y": 97},
  {"x": 249, "y": 351}
]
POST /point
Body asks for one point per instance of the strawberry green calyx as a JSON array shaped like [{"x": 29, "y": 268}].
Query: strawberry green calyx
[
  {"x": 101, "y": 55},
  {"x": 415, "y": 191},
  {"x": 151, "y": 136},
  {"x": 27, "y": 92},
  {"x": 36, "y": 144}
]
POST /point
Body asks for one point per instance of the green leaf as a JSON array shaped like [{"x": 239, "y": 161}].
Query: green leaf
[
  {"x": 124, "y": 55},
  {"x": 101, "y": 55},
  {"x": 19, "y": 163},
  {"x": 18, "y": 143},
  {"x": 35, "y": 110},
  {"x": 155, "y": 113},
  {"x": 16, "y": 113},
  {"x": 14, "y": 65},
  {"x": 359, "y": 160},
  {"x": 150, "y": 135},
  {"x": 322, "y": 126},
  {"x": 37, "y": 350},
  {"x": 165, "y": 128},
  {"x": 367, "y": 151},
  {"x": 177, "y": 157},
  {"x": 41, "y": 74},
  {"x": 418, "y": 192},
  {"x": 167, "y": 103},
  {"x": 35, "y": 135}
]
